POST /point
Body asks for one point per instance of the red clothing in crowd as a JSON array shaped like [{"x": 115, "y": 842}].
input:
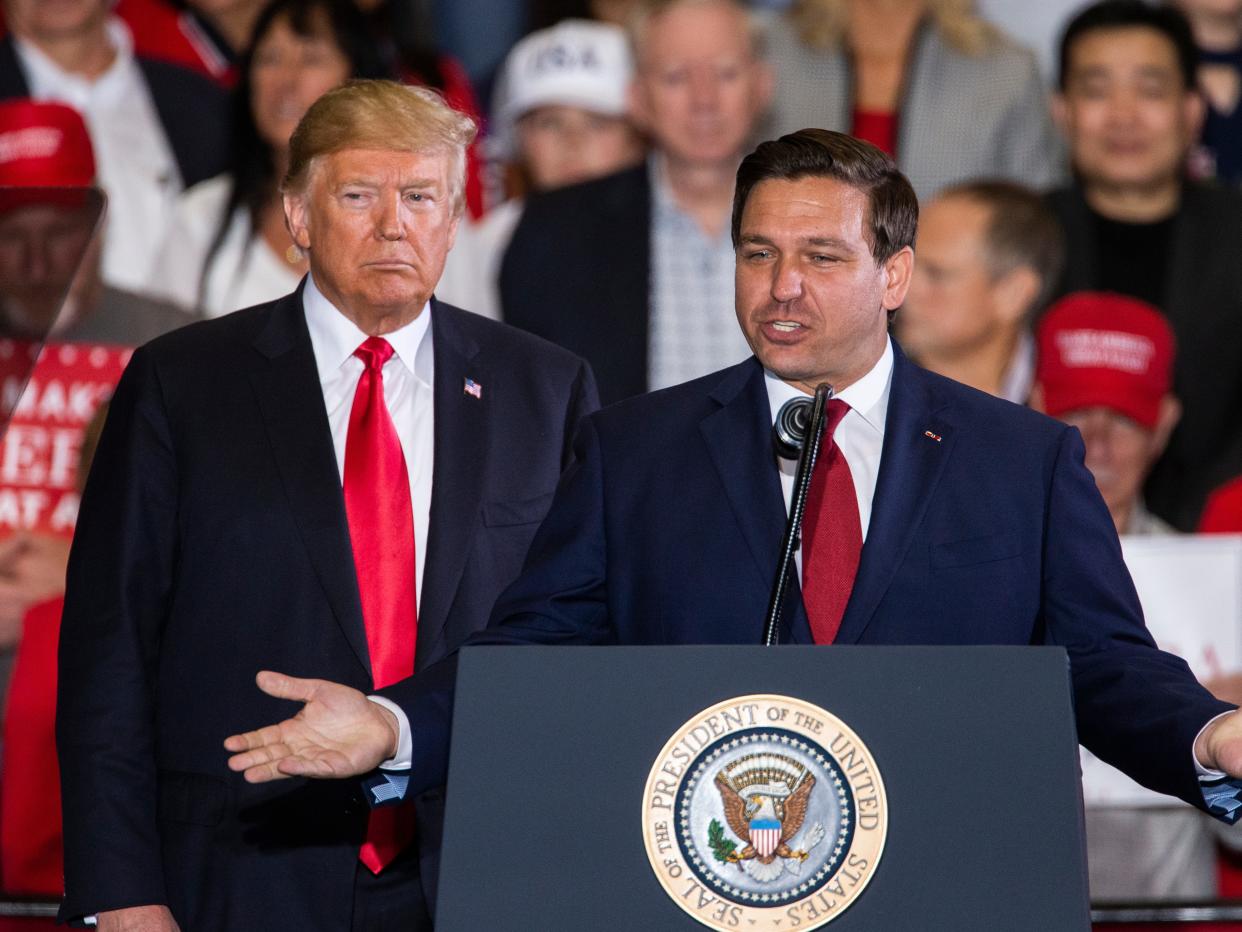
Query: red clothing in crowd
[
  {"x": 31, "y": 847},
  {"x": 878, "y": 127},
  {"x": 1223, "y": 512},
  {"x": 165, "y": 33}
]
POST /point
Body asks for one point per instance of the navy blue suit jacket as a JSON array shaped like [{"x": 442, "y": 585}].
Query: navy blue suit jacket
[
  {"x": 667, "y": 529},
  {"x": 212, "y": 543}
]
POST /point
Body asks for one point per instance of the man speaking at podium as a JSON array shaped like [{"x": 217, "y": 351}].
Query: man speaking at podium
[{"x": 936, "y": 515}]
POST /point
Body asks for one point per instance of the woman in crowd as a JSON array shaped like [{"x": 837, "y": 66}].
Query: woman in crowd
[
  {"x": 928, "y": 81},
  {"x": 228, "y": 247},
  {"x": 1217, "y": 26}
]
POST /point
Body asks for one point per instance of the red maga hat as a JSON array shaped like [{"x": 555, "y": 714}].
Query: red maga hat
[
  {"x": 44, "y": 145},
  {"x": 1097, "y": 349}
]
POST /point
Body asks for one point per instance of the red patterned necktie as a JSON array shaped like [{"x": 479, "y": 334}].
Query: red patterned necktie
[
  {"x": 831, "y": 535},
  {"x": 381, "y": 529}
]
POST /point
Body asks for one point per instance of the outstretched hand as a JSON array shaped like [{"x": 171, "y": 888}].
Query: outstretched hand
[
  {"x": 1219, "y": 747},
  {"x": 338, "y": 733}
]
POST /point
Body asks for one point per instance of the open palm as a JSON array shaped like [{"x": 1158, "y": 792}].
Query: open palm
[{"x": 338, "y": 733}]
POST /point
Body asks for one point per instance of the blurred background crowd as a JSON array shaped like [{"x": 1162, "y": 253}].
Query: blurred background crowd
[{"x": 1080, "y": 243}]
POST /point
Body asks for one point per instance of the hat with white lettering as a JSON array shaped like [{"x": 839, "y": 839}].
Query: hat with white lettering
[
  {"x": 1098, "y": 349},
  {"x": 577, "y": 63},
  {"x": 44, "y": 145}
]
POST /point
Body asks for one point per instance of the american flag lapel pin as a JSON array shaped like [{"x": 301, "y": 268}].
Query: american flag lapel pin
[
  {"x": 935, "y": 437},
  {"x": 473, "y": 389}
]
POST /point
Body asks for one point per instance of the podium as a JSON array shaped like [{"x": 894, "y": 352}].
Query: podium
[{"x": 552, "y": 769}]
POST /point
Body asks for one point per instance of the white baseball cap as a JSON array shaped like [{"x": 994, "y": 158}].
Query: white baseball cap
[{"x": 577, "y": 62}]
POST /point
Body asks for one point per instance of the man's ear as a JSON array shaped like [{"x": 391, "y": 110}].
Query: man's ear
[
  {"x": 1166, "y": 420},
  {"x": 453, "y": 226},
  {"x": 1014, "y": 293},
  {"x": 297, "y": 219},
  {"x": 1194, "y": 112},
  {"x": 1059, "y": 107},
  {"x": 636, "y": 105},
  {"x": 898, "y": 269}
]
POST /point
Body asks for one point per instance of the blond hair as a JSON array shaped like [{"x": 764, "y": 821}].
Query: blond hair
[
  {"x": 644, "y": 11},
  {"x": 380, "y": 115},
  {"x": 822, "y": 23}
]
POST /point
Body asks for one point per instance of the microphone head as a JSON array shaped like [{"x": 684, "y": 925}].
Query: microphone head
[{"x": 793, "y": 422}]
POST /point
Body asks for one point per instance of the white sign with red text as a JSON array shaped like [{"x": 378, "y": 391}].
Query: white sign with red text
[
  {"x": 1191, "y": 590},
  {"x": 39, "y": 453}
]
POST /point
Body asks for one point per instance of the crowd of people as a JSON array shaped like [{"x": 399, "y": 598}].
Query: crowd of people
[{"x": 1075, "y": 248}]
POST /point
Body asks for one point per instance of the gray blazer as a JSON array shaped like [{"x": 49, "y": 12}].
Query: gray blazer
[{"x": 962, "y": 116}]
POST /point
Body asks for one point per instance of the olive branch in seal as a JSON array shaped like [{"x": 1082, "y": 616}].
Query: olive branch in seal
[{"x": 721, "y": 847}]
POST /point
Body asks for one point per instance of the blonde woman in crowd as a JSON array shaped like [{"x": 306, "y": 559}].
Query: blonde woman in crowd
[{"x": 929, "y": 81}]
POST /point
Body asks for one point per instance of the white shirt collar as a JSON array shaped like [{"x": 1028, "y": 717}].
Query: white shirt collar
[
  {"x": 868, "y": 397},
  {"x": 47, "y": 80},
  {"x": 334, "y": 337}
]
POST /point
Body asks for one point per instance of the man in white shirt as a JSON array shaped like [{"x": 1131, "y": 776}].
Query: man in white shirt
[
  {"x": 339, "y": 482},
  {"x": 156, "y": 128},
  {"x": 937, "y": 514}
]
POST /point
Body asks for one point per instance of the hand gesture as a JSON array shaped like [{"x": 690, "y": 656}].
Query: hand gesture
[
  {"x": 338, "y": 733},
  {"x": 1219, "y": 747}
]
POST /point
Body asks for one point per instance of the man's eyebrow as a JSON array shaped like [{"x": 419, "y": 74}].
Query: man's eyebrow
[
  {"x": 831, "y": 242},
  {"x": 753, "y": 239},
  {"x": 822, "y": 242},
  {"x": 364, "y": 182}
]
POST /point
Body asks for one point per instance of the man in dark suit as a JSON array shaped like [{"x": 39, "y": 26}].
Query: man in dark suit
[
  {"x": 937, "y": 514},
  {"x": 339, "y": 482},
  {"x": 634, "y": 271},
  {"x": 1131, "y": 109}
]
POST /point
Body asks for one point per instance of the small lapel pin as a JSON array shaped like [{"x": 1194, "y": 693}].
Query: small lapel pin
[
  {"x": 935, "y": 437},
  {"x": 473, "y": 389}
]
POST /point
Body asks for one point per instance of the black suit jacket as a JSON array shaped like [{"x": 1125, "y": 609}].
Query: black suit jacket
[
  {"x": 1203, "y": 302},
  {"x": 212, "y": 543},
  {"x": 578, "y": 271},
  {"x": 193, "y": 110}
]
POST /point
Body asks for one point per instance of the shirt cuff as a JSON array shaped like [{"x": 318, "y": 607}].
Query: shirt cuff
[
  {"x": 1206, "y": 774},
  {"x": 404, "y": 758}
]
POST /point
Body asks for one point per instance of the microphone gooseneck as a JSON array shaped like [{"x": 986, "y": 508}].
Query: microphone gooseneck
[{"x": 796, "y": 422}]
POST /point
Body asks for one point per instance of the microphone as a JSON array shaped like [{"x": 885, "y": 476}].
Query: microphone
[
  {"x": 799, "y": 420},
  {"x": 792, "y": 422}
]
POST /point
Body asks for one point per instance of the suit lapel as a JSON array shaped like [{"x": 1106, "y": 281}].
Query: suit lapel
[
  {"x": 286, "y": 384},
  {"x": 461, "y": 451},
  {"x": 910, "y": 467},
  {"x": 739, "y": 442}
]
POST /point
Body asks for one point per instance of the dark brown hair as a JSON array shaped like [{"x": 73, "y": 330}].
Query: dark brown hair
[{"x": 893, "y": 209}]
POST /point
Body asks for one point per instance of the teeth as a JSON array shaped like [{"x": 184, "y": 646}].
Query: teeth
[{"x": 785, "y": 326}]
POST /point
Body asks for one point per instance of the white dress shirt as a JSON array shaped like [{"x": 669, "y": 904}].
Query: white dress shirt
[
  {"x": 408, "y": 380},
  {"x": 133, "y": 158},
  {"x": 860, "y": 435}
]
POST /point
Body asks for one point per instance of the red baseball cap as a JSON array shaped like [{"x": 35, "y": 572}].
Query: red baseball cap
[
  {"x": 44, "y": 145},
  {"x": 1101, "y": 349}
]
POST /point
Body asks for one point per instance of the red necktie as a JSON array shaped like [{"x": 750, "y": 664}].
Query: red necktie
[
  {"x": 381, "y": 529},
  {"x": 831, "y": 535}
]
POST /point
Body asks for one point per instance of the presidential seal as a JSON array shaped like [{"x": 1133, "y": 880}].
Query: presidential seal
[{"x": 764, "y": 812}]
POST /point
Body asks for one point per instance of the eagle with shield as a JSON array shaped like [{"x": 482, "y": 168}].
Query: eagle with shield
[{"x": 765, "y": 799}]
